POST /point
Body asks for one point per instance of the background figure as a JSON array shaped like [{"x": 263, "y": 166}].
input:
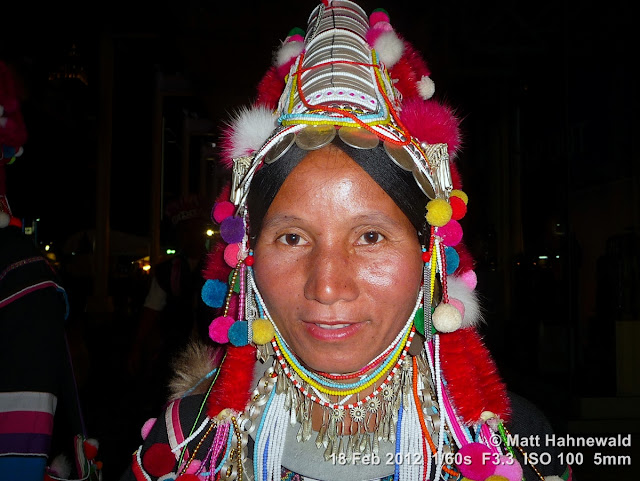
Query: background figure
[
  {"x": 173, "y": 311},
  {"x": 39, "y": 409}
]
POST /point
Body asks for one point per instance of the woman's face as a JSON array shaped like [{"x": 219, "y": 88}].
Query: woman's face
[{"x": 337, "y": 263}]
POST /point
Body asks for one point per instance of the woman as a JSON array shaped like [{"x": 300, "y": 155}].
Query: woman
[{"x": 346, "y": 297}]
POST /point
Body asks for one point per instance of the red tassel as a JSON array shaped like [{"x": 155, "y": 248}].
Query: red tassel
[
  {"x": 473, "y": 382},
  {"x": 232, "y": 389}
]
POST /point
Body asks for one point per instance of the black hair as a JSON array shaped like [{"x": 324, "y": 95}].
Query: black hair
[{"x": 398, "y": 183}]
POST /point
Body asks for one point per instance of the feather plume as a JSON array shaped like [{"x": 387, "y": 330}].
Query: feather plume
[
  {"x": 247, "y": 130},
  {"x": 459, "y": 290},
  {"x": 431, "y": 122},
  {"x": 191, "y": 366},
  {"x": 232, "y": 389},
  {"x": 473, "y": 382}
]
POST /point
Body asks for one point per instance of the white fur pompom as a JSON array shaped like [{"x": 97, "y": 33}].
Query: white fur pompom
[
  {"x": 459, "y": 290},
  {"x": 389, "y": 48},
  {"x": 60, "y": 467},
  {"x": 446, "y": 318},
  {"x": 251, "y": 127},
  {"x": 4, "y": 220},
  {"x": 288, "y": 51},
  {"x": 426, "y": 87}
]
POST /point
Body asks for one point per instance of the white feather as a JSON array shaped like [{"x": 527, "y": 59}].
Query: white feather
[
  {"x": 459, "y": 290},
  {"x": 288, "y": 51},
  {"x": 251, "y": 127},
  {"x": 389, "y": 48}
]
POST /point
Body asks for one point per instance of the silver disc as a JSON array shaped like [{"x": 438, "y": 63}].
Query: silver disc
[
  {"x": 315, "y": 137},
  {"x": 358, "y": 138},
  {"x": 424, "y": 184},
  {"x": 280, "y": 148},
  {"x": 400, "y": 156}
]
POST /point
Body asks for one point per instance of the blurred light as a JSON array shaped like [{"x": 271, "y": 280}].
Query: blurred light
[
  {"x": 171, "y": 251},
  {"x": 47, "y": 247},
  {"x": 557, "y": 257},
  {"x": 209, "y": 232},
  {"x": 146, "y": 267},
  {"x": 542, "y": 257}
]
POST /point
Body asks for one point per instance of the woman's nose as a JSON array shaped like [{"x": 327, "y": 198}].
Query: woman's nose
[{"x": 331, "y": 277}]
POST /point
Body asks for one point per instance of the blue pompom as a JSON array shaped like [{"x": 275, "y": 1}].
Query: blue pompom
[
  {"x": 452, "y": 259},
  {"x": 239, "y": 333},
  {"x": 214, "y": 293}
]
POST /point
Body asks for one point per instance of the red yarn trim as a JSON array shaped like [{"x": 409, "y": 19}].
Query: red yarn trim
[
  {"x": 473, "y": 382},
  {"x": 232, "y": 389}
]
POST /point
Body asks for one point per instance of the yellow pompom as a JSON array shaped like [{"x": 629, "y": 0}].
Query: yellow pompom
[
  {"x": 438, "y": 212},
  {"x": 496, "y": 477},
  {"x": 263, "y": 331},
  {"x": 462, "y": 195}
]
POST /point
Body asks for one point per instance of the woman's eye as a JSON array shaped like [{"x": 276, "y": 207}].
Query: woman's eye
[
  {"x": 292, "y": 240},
  {"x": 371, "y": 237}
]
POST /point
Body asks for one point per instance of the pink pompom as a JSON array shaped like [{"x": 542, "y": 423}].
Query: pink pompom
[
  {"x": 457, "y": 303},
  {"x": 194, "y": 466},
  {"x": 147, "y": 426},
  {"x": 222, "y": 210},
  {"x": 451, "y": 233},
  {"x": 374, "y": 32},
  {"x": 470, "y": 279},
  {"x": 231, "y": 254},
  {"x": 476, "y": 461},
  {"x": 295, "y": 38},
  {"x": 510, "y": 468},
  {"x": 219, "y": 328},
  {"x": 378, "y": 16}
]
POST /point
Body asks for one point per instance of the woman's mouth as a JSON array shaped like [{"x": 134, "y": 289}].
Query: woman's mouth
[{"x": 331, "y": 326}]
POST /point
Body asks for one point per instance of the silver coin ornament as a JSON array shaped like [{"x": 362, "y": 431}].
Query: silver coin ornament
[{"x": 358, "y": 138}]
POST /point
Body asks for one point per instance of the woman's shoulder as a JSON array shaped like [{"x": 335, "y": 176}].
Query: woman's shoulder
[
  {"x": 529, "y": 431},
  {"x": 170, "y": 442}
]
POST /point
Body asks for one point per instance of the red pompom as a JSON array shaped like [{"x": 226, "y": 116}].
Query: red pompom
[
  {"x": 249, "y": 261},
  {"x": 458, "y": 208},
  {"x": 158, "y": 460},
  {"x": 90, "y": 448}
]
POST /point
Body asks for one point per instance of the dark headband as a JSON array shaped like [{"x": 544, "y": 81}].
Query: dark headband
[{"x": 396, "y": 182}]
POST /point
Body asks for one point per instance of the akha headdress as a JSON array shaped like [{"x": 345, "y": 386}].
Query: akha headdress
[{"x": 352, "y": 77}]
